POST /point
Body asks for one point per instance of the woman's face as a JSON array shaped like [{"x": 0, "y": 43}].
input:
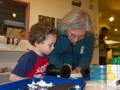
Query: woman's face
[{"x": 76, "y": 35}]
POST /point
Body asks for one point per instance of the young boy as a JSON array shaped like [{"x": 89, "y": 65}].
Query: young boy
[{"x": 33, "y": 63}]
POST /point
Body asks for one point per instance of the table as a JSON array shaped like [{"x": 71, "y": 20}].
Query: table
[
  {"x": 96, "y": 85},
  {"x": 22, "y": 84},
  {"x": 87, "y": 85}
]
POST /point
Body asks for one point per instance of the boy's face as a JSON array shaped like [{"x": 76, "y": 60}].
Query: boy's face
[{"x": 47, "y": 46}]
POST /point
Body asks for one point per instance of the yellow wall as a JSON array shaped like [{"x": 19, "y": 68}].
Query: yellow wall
[{"x": 52, "y": 8}]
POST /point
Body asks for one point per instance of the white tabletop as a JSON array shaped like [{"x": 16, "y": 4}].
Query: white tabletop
[{"x": 94, "y": 85}]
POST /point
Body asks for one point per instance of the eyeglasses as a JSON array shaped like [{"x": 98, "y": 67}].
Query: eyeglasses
[{"x": 75, "y": 36}]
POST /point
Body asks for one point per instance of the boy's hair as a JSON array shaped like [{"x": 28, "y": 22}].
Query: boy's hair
[{"x": 39, "y": 32}]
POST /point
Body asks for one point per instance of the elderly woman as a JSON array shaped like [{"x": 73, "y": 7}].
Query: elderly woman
[{"x": 74, "y": 45}]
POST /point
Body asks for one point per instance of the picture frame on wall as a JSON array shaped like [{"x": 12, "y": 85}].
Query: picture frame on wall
[
  {"x": 46, "y": 21},
  {"x": 76, "y": 3}
]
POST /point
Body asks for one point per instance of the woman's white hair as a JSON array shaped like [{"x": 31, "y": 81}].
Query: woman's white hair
[{"x": 76, "y": 19}]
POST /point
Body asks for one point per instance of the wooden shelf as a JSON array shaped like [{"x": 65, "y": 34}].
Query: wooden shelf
[{"x": 5, "y": 73}]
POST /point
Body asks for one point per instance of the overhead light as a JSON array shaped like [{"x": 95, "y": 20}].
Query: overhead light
[
  {"x": 115, "y": 29},
  {"x": 1, "y": 2},
  {"x": 106, "y": 37},
  {"x": 112, "y": 42},
  {"x": 111, "y": 19},
  {"x": 14, "y": 15}
]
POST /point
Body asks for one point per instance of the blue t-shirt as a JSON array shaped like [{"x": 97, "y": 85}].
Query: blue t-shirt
[{"x": 31, "y": 65}]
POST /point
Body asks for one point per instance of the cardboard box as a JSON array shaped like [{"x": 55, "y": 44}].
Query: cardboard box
[{"x": 113, "y": 75}]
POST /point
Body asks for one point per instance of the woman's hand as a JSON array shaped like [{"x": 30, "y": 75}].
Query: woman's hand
[
  {"x": 76, "y": 70},
  {"x": 69, "y": 66}
]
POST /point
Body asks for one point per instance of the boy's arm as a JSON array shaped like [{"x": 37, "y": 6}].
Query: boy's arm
[
  {"x": 14, "y": 77},
  {"x": 21, "y": 69}
]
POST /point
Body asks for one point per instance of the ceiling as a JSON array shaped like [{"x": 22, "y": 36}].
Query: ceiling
[{"x": 109, "y": 8}]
